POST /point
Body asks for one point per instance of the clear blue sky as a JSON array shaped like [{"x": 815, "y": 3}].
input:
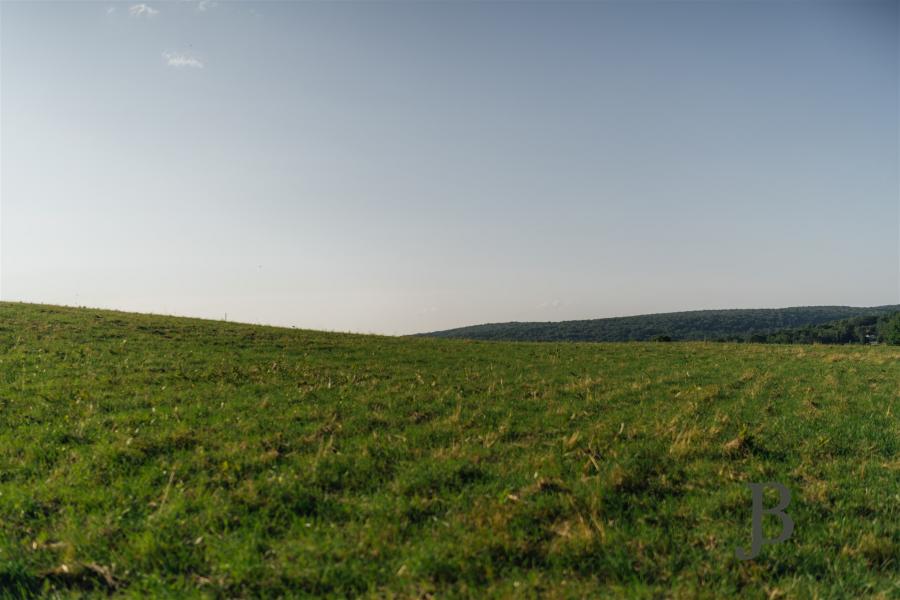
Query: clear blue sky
[{"x": 408, "y": 166}]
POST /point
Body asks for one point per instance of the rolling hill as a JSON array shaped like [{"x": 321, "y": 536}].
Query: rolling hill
[
  {"x": 689, "y": 325},
  {"x": 150, "y": 456}
]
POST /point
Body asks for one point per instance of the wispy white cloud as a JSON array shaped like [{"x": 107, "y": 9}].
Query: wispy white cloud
[
  {"x": 142, "y": 10},
  {"x": 179, "y": 61},
  {"x": 205, "y": 5},
  {"x": 110, "y": 10}
]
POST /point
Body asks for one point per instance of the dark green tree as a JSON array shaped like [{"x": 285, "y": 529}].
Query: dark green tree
[{"x": 889, "y": 330}]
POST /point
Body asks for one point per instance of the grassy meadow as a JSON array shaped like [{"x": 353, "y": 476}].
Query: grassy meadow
[{"x": 143, "y": 455}]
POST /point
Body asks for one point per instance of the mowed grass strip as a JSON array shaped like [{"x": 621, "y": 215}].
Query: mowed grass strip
[{"x": 146, "y": 455}]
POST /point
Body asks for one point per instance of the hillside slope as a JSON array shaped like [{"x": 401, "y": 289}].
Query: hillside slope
[
  {"x": 161, "y": 457},
  {"x": 690, "y": 325}
]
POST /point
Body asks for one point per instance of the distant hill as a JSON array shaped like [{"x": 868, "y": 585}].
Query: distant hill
[{"x": 689, "y": 325}]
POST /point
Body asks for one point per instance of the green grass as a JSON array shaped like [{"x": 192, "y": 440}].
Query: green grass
[{"x": 145, "y": 455}]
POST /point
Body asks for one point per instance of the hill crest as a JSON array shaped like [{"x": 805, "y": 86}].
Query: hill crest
[{"x": 682, "y": 325}]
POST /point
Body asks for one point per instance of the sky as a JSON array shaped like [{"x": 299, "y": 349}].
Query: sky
[{"x": 399, "y": 167}]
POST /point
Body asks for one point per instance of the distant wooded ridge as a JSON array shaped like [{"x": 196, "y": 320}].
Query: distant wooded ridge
[{"x": 801, "y": 324}]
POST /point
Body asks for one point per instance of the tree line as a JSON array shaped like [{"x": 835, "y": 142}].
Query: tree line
[
  {"x": 824, "y": 324},
  {"x": 871, "y": 329}
]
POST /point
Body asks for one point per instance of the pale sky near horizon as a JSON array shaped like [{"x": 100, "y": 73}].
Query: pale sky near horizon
[{"x": 398, "y": 167}]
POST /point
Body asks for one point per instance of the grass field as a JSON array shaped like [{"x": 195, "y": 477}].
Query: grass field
[{"x": 146, "y": 455}]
